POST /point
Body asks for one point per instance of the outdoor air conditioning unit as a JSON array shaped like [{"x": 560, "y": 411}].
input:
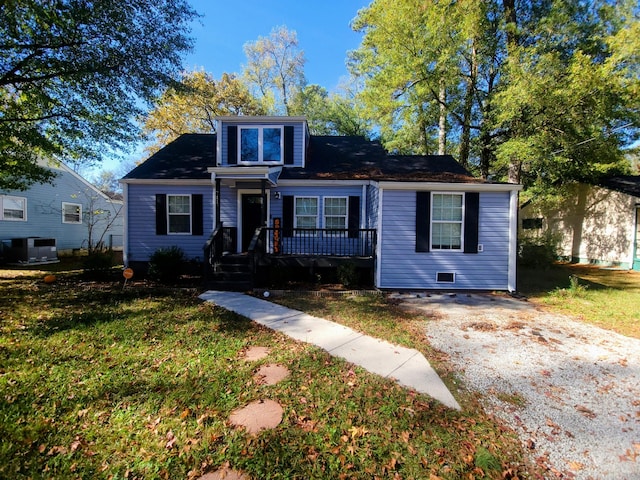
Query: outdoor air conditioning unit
[{"x": 31, "y": 250}]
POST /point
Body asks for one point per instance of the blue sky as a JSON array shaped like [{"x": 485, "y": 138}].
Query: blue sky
[
  {"x": 323, "y": 28},
  {"x": 324, "y": 34}
]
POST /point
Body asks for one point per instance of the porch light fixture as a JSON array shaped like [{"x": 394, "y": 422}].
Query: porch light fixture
[{"x": 276, "y": 195}]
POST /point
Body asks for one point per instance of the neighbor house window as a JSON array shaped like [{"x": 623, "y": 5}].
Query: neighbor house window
[
  {"x": 532, "y": 223},
  {"x": 306, "y": 212},
  {"x": 71, "y": 213},
  {"x": 179, "y": 214},
  {"x": 261, "y": 144},
  {"x": 446, "y": 221},
  {"x": 13, "y": 208},
  {"x": 335, "y": 213}
]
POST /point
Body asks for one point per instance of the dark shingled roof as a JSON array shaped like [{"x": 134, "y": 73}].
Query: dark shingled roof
[
  {"x": 328, "y": 158},
  {"x": 186, "y": 158},
  {"x": 356, "y": 158},
  {"x": 629, "y": 184}
]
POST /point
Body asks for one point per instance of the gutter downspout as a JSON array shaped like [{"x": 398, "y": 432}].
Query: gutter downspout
[
  {"x": 125, "y": 221},
  {"x": 513, "y": 241}
]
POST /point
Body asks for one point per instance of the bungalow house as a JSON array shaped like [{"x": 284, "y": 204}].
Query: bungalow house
[
  {"x": 265, "y": 190},
  {"x": 592, "y": 223},
  {"x": 51, "y": 218}
]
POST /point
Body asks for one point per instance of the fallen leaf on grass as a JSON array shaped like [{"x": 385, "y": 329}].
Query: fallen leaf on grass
[{"x": 171, "y": 440}]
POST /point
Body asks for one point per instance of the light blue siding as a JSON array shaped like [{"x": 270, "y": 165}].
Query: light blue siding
[
  {"x": 324, "y": 244},
  {"x": 228, "y": 206},
  {"x": 141, "y": 221},
  {"x": 372, "y": 206},
  {"x": 400, "y": 266},
  {"x": 298, "y": 141},
  {"x": 320, "y": 192},
  {"x": 44, "y": 214}
]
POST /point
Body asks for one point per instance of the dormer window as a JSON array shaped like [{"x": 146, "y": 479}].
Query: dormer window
[{"x": 261, "y": 144}]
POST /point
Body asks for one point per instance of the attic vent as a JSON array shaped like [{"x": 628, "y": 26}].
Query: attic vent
[{"x": 446, "y": 277}]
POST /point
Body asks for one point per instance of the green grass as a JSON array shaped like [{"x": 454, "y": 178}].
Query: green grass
[
  {"x": 95, "y": 380},
  {"x": 607, "y": 298}
]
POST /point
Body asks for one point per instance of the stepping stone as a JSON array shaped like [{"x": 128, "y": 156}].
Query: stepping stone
[
  {"x": 224, "y": 474},
  {"x": 271, "y": 374},
  {"x": 257, "y": 416},
  {"x": 256, "y": 353}
]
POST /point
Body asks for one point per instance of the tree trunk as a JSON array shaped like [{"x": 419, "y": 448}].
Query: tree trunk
[
  {"x": 442, "y": 124},
  {"x": 511, "y": 18},
  {"x": 465, "y": 140}
]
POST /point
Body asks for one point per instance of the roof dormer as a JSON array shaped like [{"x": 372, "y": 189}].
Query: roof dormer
[{"x": 262, "y": 141}]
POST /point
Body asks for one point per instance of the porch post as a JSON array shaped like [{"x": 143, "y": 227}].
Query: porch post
[
  {"x": 263, "y": 206},
  {"x": 217, "y": 203}
]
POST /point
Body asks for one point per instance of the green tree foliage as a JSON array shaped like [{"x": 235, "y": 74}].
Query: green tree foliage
[
  {"x": 330, "y": 114},
  {"x": 569, "y": 94},
  {"x": 192, "y": 105},
  {"x": 275, "y": 68},
  {"x": 73, "y": 74},
  {"x": 540, "y": 92}
]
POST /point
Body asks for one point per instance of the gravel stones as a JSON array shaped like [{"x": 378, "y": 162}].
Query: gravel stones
[{"x": 570, "y": 390}]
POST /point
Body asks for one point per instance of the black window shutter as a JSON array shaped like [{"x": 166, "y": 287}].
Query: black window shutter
[
  {"x": 423, "y": 221},
  {"x": 288, "y": 145},
  {"x": 197, "y": 221},
  {"x": 471, "y": 210},
  {"x": 287, "y": 216},
  {"x": 354, "y": 216},
  {"x": 161, "y": 214},
  {"x": 232, "y": 145}
]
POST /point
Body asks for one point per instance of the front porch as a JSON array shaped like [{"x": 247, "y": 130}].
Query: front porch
[{"x": 276, "y": 252}]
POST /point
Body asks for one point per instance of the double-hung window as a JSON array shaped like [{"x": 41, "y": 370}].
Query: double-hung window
[
  {"x": 446, "y": 221},
  {"x": 13, "y": 208},
  {"x": 179, "y": 214},
  {"x": 335, "y": 213},
  {"x": 261, "y": 144},
  {"x": 71, "y": 213},
  {"x": 306, "y": 212}
]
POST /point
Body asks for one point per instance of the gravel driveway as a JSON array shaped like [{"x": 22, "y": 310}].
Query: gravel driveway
[{"x": 570, "y": 390}]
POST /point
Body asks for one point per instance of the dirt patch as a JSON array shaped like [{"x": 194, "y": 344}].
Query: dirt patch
[
  {"x": 256, "y": 353},
  {"x": 224, "y": 474},
  {"x": 271, "y": 374},
  {"x": 257, "y": 416}
]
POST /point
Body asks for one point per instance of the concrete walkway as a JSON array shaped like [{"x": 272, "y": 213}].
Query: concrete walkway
[{"x": 407, "y": 366}]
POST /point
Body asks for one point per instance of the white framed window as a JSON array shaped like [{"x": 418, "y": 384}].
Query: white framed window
[
  {"x": 446, "y": 221},
  {"x": 306, "y": 212},
  {"x": 179, "y": 214},
  {"x": 71, "y": 213},
  {"x": 335, "y": 212},
  {"x": 261, "y": 144},
  {"x": 13, "y": 209}
]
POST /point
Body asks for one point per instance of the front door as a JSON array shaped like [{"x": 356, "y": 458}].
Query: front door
[{"x": 251, "y": 217}]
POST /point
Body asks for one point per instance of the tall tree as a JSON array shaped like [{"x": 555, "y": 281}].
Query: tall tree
[
  {"x": 192, "y": 105},
  {"x": 338, "y": 113},
  {"x": 415, "y": 58},
  {"x": 523, "y": 84},
  {"x": 275, "y": 67},
  {"x": 73, "y": 74},
  {"x": 570, "y": 91}
]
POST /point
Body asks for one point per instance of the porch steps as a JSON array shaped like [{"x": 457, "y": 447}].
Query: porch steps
[{"x": 232, "y": 273}]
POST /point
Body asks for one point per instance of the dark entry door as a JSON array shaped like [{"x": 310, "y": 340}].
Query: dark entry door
[{"x": 251, "y": 217}]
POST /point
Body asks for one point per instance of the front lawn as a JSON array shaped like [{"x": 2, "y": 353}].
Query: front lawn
[
  {"x": 608, "y": 298},
  {"x": 101, "y": 381}
]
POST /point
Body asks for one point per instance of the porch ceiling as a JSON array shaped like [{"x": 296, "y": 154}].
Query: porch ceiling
[{"x": 270, "y": 174}]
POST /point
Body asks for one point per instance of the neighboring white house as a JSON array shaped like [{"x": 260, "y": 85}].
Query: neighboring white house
[
  {"x": 594, "y": 223},
  {"x": 70, "y": 214}
]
